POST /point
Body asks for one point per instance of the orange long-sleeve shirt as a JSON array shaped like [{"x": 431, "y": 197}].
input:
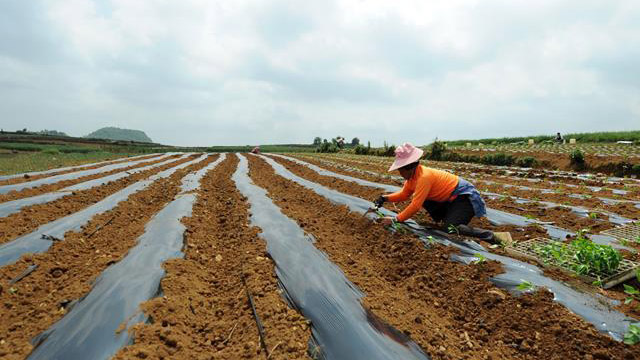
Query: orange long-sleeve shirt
[{"x": 425, "y": 184}]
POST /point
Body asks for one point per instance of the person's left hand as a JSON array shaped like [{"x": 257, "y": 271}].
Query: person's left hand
[{"x": 387, "y": 220}]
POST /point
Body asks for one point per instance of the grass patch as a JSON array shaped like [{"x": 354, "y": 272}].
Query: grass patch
[{"x": 48, "y": 148}]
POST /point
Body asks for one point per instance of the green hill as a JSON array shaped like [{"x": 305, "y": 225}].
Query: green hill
[{"x": 114, "y": 133}]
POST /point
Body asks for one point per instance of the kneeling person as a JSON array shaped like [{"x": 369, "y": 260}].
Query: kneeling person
[{"x": 447, "y": 197}]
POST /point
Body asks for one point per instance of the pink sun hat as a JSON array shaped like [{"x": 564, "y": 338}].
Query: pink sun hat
[{"x": 405, "y": 155}]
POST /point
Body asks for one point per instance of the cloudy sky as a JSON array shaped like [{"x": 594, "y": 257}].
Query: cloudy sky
[{"x": 202, "y": 72}]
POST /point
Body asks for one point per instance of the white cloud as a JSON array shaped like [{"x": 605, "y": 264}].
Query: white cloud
[{"x": 201, "y": 72}]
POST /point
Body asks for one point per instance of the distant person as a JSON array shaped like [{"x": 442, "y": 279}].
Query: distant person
[
  {"x": 256, "y": 150},
  {"x": 446, "y": 197},
  {"x": 559, "y": 139}
]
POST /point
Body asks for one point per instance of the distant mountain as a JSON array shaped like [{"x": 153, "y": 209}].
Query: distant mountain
[{"x": 114, "y": 133}]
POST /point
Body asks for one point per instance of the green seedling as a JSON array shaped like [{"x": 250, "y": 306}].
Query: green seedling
[
  {"x": 581, "y": 256},
  {"x": 480, "y": 259},
  {"x": 632, "y": 292},
  {"x": 452, "y": 229},
  {"x": 530, "y": 217},
  {"x": 632, "y": 336},
  {"x": 593, "y": 216},
  {"x": 431, "y": 240},
  {"x": 526, "y": 286}
]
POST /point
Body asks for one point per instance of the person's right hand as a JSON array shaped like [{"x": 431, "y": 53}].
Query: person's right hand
[{"x": 380, "y": 201}]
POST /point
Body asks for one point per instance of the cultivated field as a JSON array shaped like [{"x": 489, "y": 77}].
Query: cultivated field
[{"x": 227, "y": 256}]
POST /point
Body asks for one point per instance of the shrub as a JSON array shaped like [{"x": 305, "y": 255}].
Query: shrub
[
  {"x": 361, "y": 150},
  {"x": 389, "y": 150},
  {"x": 500, "y": 159},
  {"x": 385, "y": 150},
  {"x": 436, "y": 150},
  {"x": 51, "y": 151},
  {"x": 576, "y": 159},
  {"x": 527, "y": 162},
  {"x": 327, "y": 147}
]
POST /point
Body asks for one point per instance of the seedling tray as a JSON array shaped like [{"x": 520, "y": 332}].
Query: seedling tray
[
  {"x": 527, "y": 248},
  {"x": 629, "y": 232}
]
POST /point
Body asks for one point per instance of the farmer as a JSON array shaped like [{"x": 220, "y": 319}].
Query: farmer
[
  {"x": 559, "y": 138},
  {"x": 256, "y": 150},
  {"x": 445, "y": 196}
]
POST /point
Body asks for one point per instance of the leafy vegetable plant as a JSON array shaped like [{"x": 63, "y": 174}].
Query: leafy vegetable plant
[
  {"x": 480, "y": 259},
  {"x": 632, "y": 292},
  {"x": 526, "y": 285},
  {"x": 632, "y": 336},
  {"x": 582, "y": 256}
]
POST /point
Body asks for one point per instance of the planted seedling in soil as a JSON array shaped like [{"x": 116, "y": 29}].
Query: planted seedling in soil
[
  {"x": 632, "y": 336},
  {"x": 632, "y": 292},
  {"x": 526, "y": 285},
  {"x": 480, "y": 259},
  {"x": 395, "y": 227},
  {"x": 452, "y": 229}
]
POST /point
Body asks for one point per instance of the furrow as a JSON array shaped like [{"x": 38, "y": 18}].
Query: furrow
[
  {"x": 503, "y": 214},
  {"x": 42, "y": 238},
  {"x": 204, "y": 310},
  {"x": 593, "y": 309},
  {"x": 26, "y": 215},
  {"x": 34, "y": 175},
  {"x": 66, "y": 272},
  {"x": 91, "y": 328},
  {"x": 37, "y": 187},
  {"x": 342, "y": 328},
  {"x": 14, "y": 206}
]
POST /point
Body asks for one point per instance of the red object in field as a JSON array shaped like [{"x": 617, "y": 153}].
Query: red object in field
[{"x": 256, "y": 150}]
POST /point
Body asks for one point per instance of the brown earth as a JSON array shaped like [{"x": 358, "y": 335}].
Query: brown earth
[
  {"x": 66, "y": 270},
  {"x": 31, "y": 217},
  {"x": 36, "y": 177},
  {"x": 571, "y": 221},
  {"x": 13, "y": 195},
  {"x": 204, "y": 313},
  {"x": 557, "y": 161},
  {"x": 451, "y": 310},
  {"x": 562, "y": 217}
]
